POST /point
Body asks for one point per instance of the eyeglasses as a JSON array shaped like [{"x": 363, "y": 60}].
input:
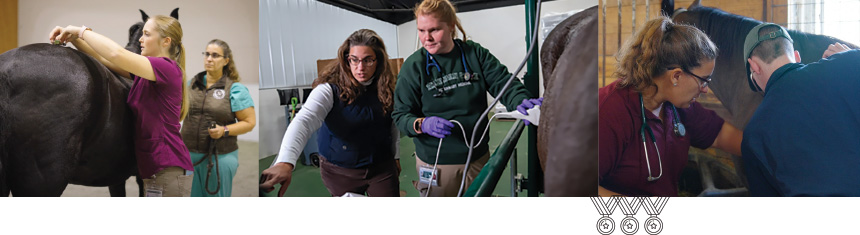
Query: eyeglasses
[
  {"x": 367, "y": 61},
  {"x": 213, "y": 55},
  {"x": 704, "y": 81}
]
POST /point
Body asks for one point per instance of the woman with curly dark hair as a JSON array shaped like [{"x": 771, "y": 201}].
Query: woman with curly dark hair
[{"x": 351, "y": 106}]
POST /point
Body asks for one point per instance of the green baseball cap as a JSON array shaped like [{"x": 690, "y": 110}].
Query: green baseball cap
[{"x": 753, "y": 39}]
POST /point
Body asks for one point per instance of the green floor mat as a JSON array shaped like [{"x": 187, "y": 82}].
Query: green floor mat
[{"x": 307, "y": 182}]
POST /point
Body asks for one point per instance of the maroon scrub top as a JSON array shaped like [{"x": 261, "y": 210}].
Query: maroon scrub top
[
  {"x": 621, "y": 154},
  {"x": 157, "y": 106}
]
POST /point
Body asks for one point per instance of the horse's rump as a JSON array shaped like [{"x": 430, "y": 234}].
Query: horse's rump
[
  {"x": 64, "y": 120},
  {"x": 567, "y": 137}
]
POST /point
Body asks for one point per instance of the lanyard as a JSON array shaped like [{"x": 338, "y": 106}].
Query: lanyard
[{"x": 431, "y": 62}]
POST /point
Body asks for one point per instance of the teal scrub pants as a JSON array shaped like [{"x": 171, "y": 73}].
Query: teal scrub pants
[{"x": 228, "y": 163}]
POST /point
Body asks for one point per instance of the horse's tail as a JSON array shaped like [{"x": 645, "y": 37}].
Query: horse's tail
[{"x": 5, "y": 83}]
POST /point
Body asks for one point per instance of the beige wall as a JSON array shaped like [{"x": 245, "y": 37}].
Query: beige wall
[{"x": 235, "y": 22}]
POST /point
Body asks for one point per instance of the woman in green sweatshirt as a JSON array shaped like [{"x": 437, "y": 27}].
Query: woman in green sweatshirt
[{"x": 448, "y": 79}]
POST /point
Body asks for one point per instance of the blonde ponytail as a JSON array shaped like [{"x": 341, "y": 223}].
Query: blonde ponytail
[{"x": 169, "y": 27}]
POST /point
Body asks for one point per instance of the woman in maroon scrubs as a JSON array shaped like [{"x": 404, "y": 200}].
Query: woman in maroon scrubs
[{"x": 663, "y": 69}]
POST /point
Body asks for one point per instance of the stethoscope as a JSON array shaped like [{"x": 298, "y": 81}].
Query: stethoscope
[
  {"x": 431, "y": 61},
  {"x": 678, "y": 128}
]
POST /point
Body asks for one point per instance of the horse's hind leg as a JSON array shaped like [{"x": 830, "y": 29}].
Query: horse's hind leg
[
  {"x": 4, "y": 187},
  {"x": 37, "y": 175},
  {"x": 139, "y": 185},
  {"x": 40, "y": 164},
  {"x": 35, "y": 185},
  {"x": 117, "y": 190}
]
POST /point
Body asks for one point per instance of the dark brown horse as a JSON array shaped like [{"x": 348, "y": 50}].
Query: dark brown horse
[
  {"x": 728, "y": 31},
  {"x": 729, "y": 84},
  {"x": 64, "y": 119},
  {"x": 567, "y": 136}
]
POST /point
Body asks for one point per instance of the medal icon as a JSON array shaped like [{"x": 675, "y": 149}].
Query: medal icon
[
  {"x": 605, "y": 225},
  {"x": 653, "y": 225},
  {"x": 629, "y": 225}
]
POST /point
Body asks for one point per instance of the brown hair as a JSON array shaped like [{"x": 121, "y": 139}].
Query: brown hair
[
  {"x": 444, "y": 11},
  {"x": 230, "y": 69},
  {"x": 169, "y": 27},
  {"x": 339, "y": 73},
  {"x": 769, "y": 50},
  {"x": 656, "y": 47}
]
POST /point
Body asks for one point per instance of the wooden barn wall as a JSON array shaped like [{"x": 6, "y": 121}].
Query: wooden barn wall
[
  {"x": 765, "y": 10},
  {"x": 8, "y": 25}
]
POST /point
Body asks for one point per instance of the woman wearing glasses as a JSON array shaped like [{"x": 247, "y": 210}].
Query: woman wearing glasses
[
  {"x": 217, "y": 101},
  {"x": 351, "y": 106},
  {"x": 649, "y": 117}
]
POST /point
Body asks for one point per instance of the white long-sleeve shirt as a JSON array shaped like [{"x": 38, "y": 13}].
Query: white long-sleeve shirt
[{"x": 309, "y": 119}]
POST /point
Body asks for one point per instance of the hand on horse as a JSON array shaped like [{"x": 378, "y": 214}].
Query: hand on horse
[
  {"x": 280, "y": 173},
  {"x": 64, "y": 35},
  {"x": 436, "y": 127},
  {"x": 217, "y": 132},
  {"x": 528, "y": 104},
  {"x": 835, "y": 48}
]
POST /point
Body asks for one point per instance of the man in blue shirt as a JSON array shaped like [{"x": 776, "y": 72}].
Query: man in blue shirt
[{"x": 804, "y": 138}]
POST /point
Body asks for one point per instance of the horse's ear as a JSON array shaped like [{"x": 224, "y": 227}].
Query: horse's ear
[
  {"x": 696, "y": 3},
  {"x": 143, "y": 15},
  {"x": 175, "y": 13},
  {"x": 667, "y": 7}
]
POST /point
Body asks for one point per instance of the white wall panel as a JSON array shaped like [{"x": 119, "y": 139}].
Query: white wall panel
[{"x": 294, "y": 34}]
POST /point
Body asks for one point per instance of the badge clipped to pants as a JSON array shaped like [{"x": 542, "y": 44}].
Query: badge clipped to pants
[
  {"x": 153, "y": 189},
  {"x": 424, "y": 174}
]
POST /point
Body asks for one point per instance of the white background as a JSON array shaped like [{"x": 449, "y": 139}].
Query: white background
[{"x": 491, "y": 216}]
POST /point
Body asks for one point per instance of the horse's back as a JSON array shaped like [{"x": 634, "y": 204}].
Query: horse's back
[{"x": 64, "y": 120}]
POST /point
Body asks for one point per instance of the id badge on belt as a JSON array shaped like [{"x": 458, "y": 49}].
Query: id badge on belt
[
  {"x": 154, "y": 189},
  {"x": 424, "y": 174}
]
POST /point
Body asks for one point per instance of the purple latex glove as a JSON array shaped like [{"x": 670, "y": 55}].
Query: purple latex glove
[
  {"x": 527, "y": 104},
  {"x": 436, "y": 127}
]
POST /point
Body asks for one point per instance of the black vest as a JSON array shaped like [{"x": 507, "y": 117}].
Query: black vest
[
  {"x": 207, "y": 106},
  {"x": 358, "y": 134}
]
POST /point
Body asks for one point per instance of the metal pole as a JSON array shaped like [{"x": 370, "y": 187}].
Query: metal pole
[
  {"x": 535, "y": 176},
  {"x": 633, "y": 16},
  {"x": 619, "y": 26},
  {"x": 604, "y": 43},
  {"x": 513, "y": 172},
  {"x": 491, "y": 174},
  {"x": 647, "y": 10},
  {"x": 820, "y": 18}
]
